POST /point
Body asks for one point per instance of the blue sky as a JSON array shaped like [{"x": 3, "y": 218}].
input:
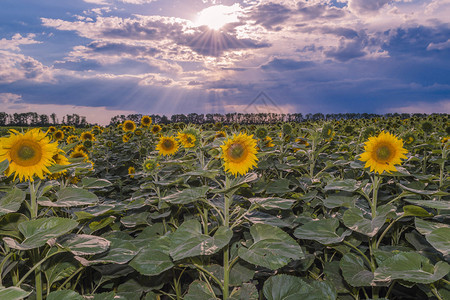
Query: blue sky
[{"x": 100, "y": 58}]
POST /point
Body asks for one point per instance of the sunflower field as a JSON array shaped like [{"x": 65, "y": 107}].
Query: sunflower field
[{"x": 340, "y": 209}]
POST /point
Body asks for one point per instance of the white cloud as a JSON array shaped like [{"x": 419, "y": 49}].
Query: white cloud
[
  {"x": 423, "y": 107},
  {"x": 14, "y": 67},
  {"x": 439, "y": 46},
  {"x": 12, "y": 103},
  {"x": 16, "y": 41}
]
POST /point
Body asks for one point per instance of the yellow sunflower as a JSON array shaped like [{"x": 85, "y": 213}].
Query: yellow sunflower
[
  {"x": 81, "y": 148},
  {"x": 58, "y": 135},
  {"x": 87, "y": 136},
  {"x": 146, "y": 121},
  {"x": 186, "y": 139},
  {"x": 129, "y": 126},
  {"x": 125, "y": 138},
  {"x": 220, "y": 134},
  {"x": 383, "y": 152},
  {"x": 28, "y": 154},
  {"x": 156, "y": 128},
  {"x": 131, "y": 172},
  {"x": 51, "y": 129},
  {"x": 72, "y": 139},
  {"x": 79, "y": 154},
  {"x": 167, "y": 145},
  {"x": 239, "y": 154}
]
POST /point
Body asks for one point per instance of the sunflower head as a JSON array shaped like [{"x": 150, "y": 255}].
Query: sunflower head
[
  {"x": 138, "y": 132},
  {"x": 79, "y": 154},
  {"x": 150, "y": 165},
  {"x": 129, "y": 126},
  {"x": 156, "y": 129},
  {"x": 368, "y": 132},
  {"x": 261, "y": 132},
  {"x": 239, "y": 154},
  {"x": 60, "y": 159},
  {"x": 189, "y": 137},
  {"x": 409, "y": 138},
  {"x": 87, "y": 135},
  {"x": 87, "y": 144},
  {"x": 383, "y": 152},
  {"x": 125, "y": 138},
  {"x": 287, "y": 129},
  {"x": 220, "y": 134},
  {"x": 327, "y": 132},
  {"x": 72, "y": 139},
  {"x": 51, "y": 129},
  {"x": 58, "y": 135},
  {"x": 267, "y": 141},
  {"x": 167, "y": 145},
  {"x": 348, "y": 129},
  {"x": 109, "y": 143},
  {"x": 81, "y": 147},
  {"x": 146, "y": 121},
  {"x": 427, "y": 127},
  {"x": 28, "y": 154},
  {"x": 131, "y": 172}
]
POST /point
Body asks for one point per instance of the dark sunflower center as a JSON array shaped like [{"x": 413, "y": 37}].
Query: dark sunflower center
[
  {"x": 167, "y": 144},
  {"x": 129, "y": 126},
  {"x": 189, "y": 140},
  {"x": 383, "y": 152},
  {"x": 236, "y": 151},
  {"x": 26, "y": 152}
]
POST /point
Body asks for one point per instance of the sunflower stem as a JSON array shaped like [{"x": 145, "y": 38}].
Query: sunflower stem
[
  {"x": 226, "y": 250},
  {"x": 376, "y": 183},
  {"x": 33, "y": 200}
]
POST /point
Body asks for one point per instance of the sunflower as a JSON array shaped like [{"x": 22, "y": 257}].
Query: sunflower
[
  {"x": 125, "y": 138},
  {"x": 167, "y": 145},
  {"x": 220, "y": 134},
  {"x": 138, "y": 132},
  {"x": 261, "y": 133},
  {"x": 81, "y": 147},
  {"x": 129, "y": 126},
  {"x": 150, "y": 165},
  {"x": 131, "y": 172},
  {"x": 156, "y": 129},
  {"x": 28, "y": 154},
  {"x": 60, "y": 159},
  {"x": 58, "y": 135},
  {"x": 87, "y": 135},
  {"x": 51, "y": 129},
  {"x": 239, "y": 154},
  {"x": 267, "y": 141},
  {"x": 146, "y": 121},
  {"x": 72, "y": 139},
  {"x": 383, "y": 152},
  {"x": 409, "y": 138},
  {"x": 186, "y": 139},
  {"x": 79, "y": 154},
  {"x": 109, "y": 144}
]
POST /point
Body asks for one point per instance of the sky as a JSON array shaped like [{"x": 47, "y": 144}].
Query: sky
[{"x": 100, "y": 58}]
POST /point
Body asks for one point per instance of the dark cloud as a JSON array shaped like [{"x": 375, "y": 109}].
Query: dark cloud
[
  {"x": 347, "y": 50},
  {"x": 367, "y": 6},
  {"x": 278, "y": 64},
  {"x": 270, "y": 15},
  {"x": 318, "y": 10},
  {"x": 117, "y": 48}
]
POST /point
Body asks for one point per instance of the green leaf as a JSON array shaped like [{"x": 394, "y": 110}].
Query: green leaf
[
  {"x": 339, "y": 200},
  {"x": 415, "y": 211},
  {"x": 12, "y": 201},
  {"x": 354, "y": 270},
  {"x": 431, "y": 203},
  {"x": 57, "y": 269},
  {"x": 278, "y": 187},
  {"x": 272, "y": 203},
  {"x": 272, "y": 247},
  {"x": 95, "y": 183},
  {"x": 38, "y": 232},
  {"x": 187, "y": 196},
  {"x": 240, "y": 272},
  {"x": 13, "y": 293},
  {"x": 333, "y": 274},
  {"x": 411, "y": 266},
  {"x": 440, "y": 240},
  {"x": 247, "y": 291},
  {"x": 69, "y": 196},
  {"x": 97, "y": 225},
  {"x": 120, "y": 251},
  {"x": 188, "y": 240},
  {"x": 423, "y": 192},
  {"x": 348, "y": 185},
  {"x": 426, "y": 227},
  {"x": 136, "y": 219},
  {"x": 199, "y": 290},
  {"x": 4, "y": 165},
  {"x": 66, "y": 295},
  {"x": 355, "y": 220},
  {"x": 322, "y": 231},
  {"x": 154, "y": 259},
  {"x": 83, "y": 244},
  {"x": 9, "y": 225},
  {"x": 286, "y": 287}
]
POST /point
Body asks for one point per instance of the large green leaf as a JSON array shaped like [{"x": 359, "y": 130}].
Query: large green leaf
[
  {"x": 286, "y": 287},
  {"x": 12, "y": 201},
  {"x": 188, "y": 240},
  {"x": 440, "y": 240},
  {"x": 59, "y": 268},
  {"x": 431, "y": 203},
  {"x": 423, "y": 192},
  {"x": 83, "y": 244},
  {"x": 69, "y": 196},
  {"x": 247, "y": 291},
  {"x": 153, "y": 259},
  {"x": 426, "y": 227},
  {"x": 348, "y": 185},
  {"x": 187, "y": 196},
  {"x": 354, "y": 270},
  {"x": 38, "y": 232},
  {"x": 355, "y": 220},
  {"x": 339, "y": 200},
  {"x": 322, "y": 231},
  {"x": 278, "y": 187},
  {"x": 66, "y": 295},
  {"x": 199, "y": 290},
  {"x": 272, "y": 247},
  {"x": 272, "y": 203},
  {"x": 13, "y": 293},
  {"x": 415, "y": 211},
  {"x": 411, "y": 266},
  {"x": 95, "y": 183},
  {"x": 9, "y": 225}
]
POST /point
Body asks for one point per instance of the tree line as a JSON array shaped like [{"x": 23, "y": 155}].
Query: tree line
[{"x": 35, "y": 119}]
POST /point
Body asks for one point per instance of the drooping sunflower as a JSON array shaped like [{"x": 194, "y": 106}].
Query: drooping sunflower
[
  {"x": 239, "y": 154},
  {"x": 129, "y": 126},
  {"x": 125, "y": 138},
  {"x": 261, "y": 132},
  {"x": 28, "y": 154},
  {"x": 87, "y": 135},
  {"x": 150, "y": 165},
  {"x": 167, "y": 145},
  {"x": 72, "y": 139},
  {"x": 383, "y": 152},
  {"x": 156, "y": 129},
  {"x": 58, "y": 135},
  {"x": 146, "y": 121},
  {"x": 131, "y": 172}
]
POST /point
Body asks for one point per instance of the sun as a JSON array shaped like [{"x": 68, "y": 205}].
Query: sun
[{"x": 217, "y": 16}]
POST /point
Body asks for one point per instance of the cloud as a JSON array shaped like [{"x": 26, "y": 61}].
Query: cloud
[
  {"x": 279, "y": 64},
  {"x": 367, "y": 6},
  {"x": 269, "y": 15},
  {"x": 15, "y": 67},
  {"x": 439, "y": 46},
  {"x": 16, "y": 41},
  {"x": 423, "y": 107}
]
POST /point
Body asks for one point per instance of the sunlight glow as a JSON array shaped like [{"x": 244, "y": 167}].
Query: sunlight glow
[{"x": 215, "y": 17}]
